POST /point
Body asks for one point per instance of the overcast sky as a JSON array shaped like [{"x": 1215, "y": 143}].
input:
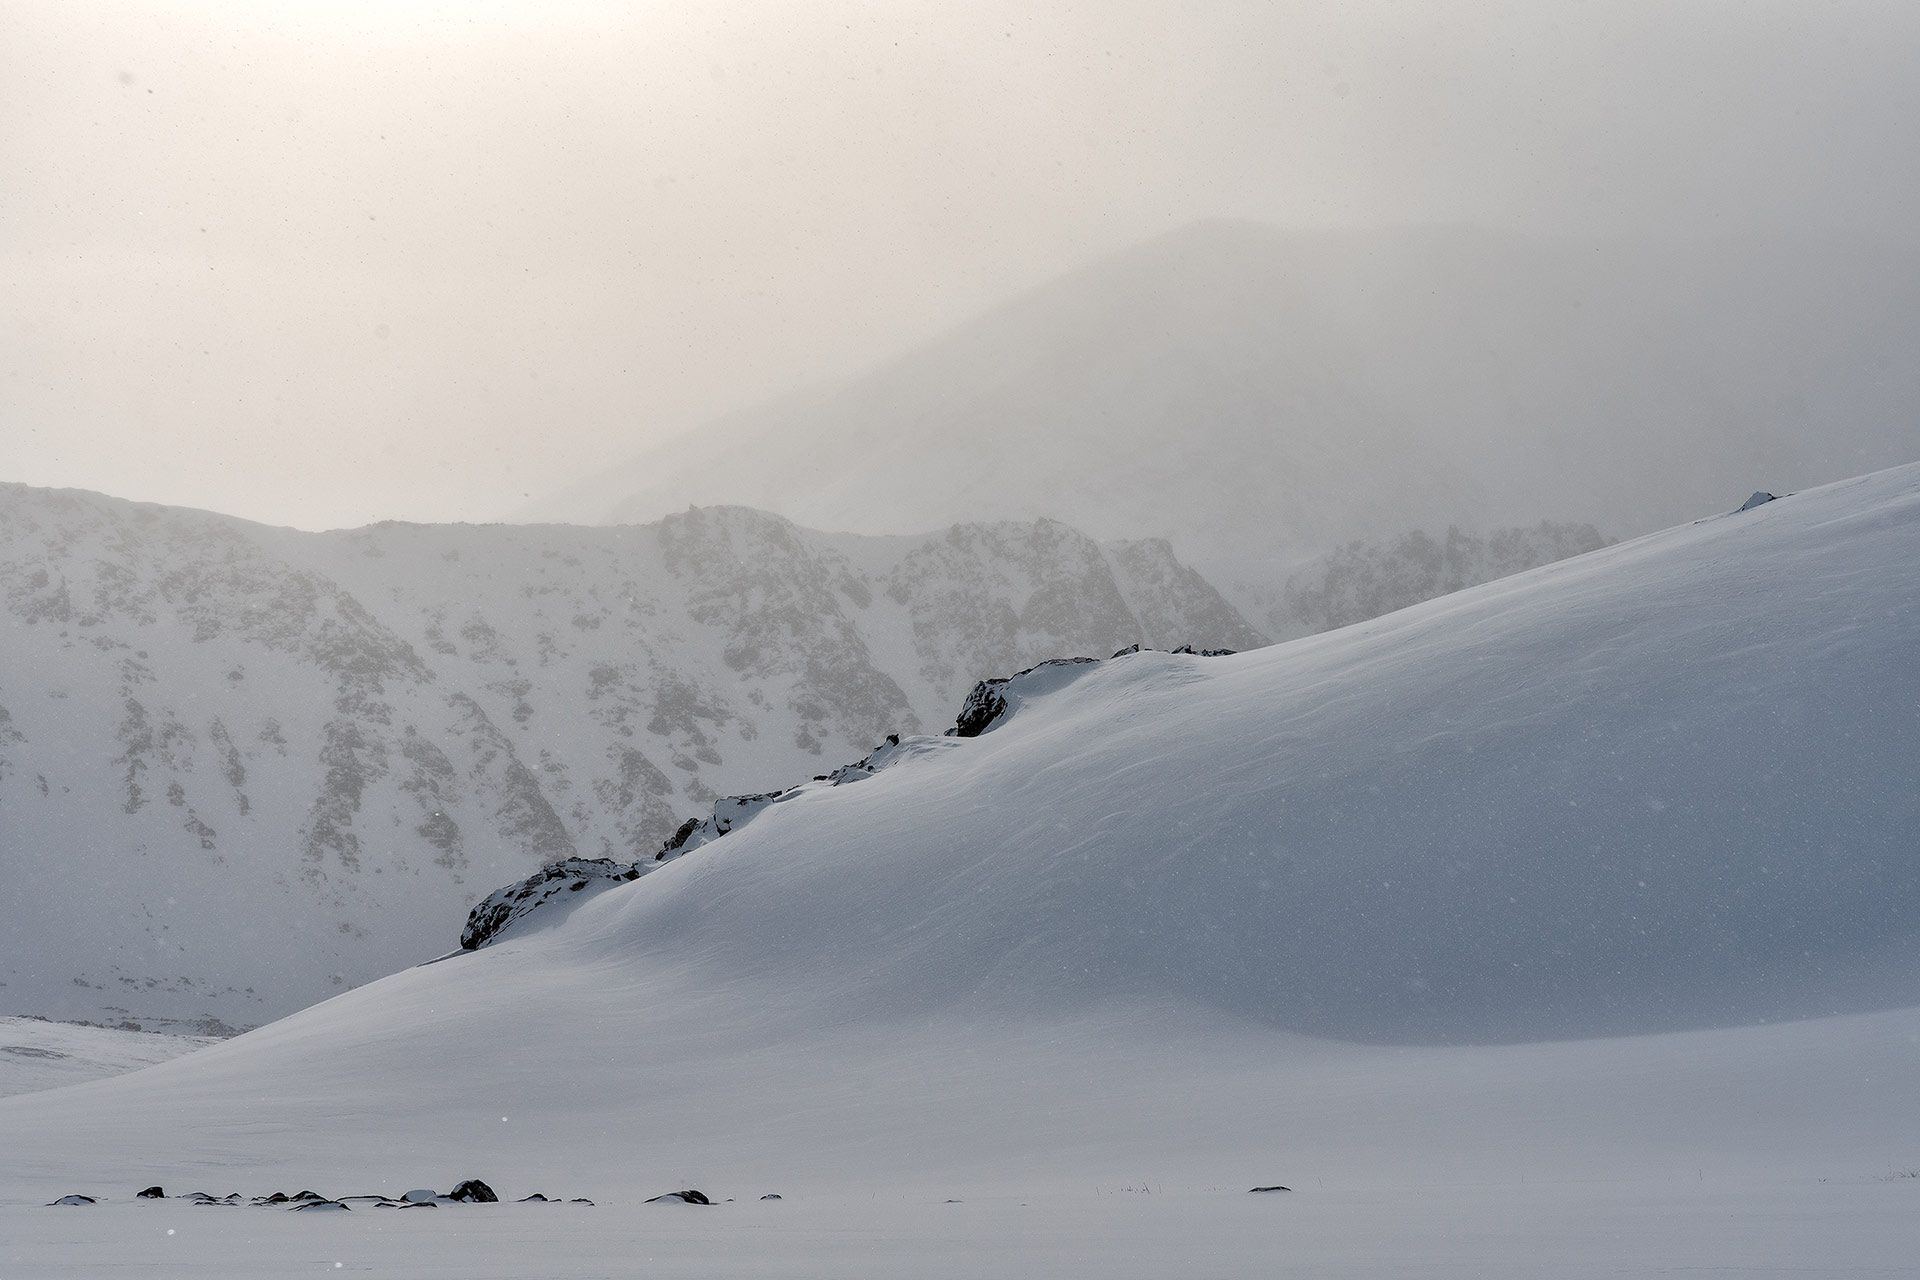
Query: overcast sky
[{"x": 323, "y": 262}]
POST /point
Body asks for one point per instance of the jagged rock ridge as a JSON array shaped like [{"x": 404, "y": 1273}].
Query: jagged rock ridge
[{"x": 571, "y": 881}]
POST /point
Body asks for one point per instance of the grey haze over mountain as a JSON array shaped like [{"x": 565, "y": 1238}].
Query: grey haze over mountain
[
  {"x": 243, "y": 767},
  {"x": 1260, "y": 396}
]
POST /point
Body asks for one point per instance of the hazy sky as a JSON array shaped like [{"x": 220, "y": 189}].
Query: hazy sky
[{"x": 328, "y": 261}]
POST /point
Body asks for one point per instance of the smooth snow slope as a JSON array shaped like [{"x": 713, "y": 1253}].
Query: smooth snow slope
[
  {"x": 1668, "y": 785},
  {"x": 37, "y": 1054}
]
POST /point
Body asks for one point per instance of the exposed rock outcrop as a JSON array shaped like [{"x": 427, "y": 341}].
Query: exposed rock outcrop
[{"x": 567, "y": 878}]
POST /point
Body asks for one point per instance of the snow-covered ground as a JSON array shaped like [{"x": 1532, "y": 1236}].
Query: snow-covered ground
[
  {"x": 1859, "y": 1229},
  {"x": 1561, "y": 927},
  {"x": 38, "y": 1054}
]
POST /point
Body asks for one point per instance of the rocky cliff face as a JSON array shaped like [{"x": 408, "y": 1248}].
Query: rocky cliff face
[
  {"x": 245, "y": 767},
  {"x": 1363, "y": 580}
]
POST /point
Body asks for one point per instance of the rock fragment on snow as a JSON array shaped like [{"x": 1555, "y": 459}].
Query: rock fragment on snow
[{"x": 473, "y": 1191}]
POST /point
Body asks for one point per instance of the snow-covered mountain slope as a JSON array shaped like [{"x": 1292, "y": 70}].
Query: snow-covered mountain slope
[
  {"x": 37, "y": 1054},
  {"x": 1664, "y": 793},
  {"x": 243, "y": 767},
  {"x": 1259, "y": 395},
  {"x": 1363, "y": 580}
]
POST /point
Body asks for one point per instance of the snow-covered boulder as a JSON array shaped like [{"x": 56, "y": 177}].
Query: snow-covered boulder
[
  {"x": 992, "y": 701},
  {"x": 568, "y": 878}
]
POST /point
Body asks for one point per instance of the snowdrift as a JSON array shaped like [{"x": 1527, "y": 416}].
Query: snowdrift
[{"x": 1358, "y": 902}]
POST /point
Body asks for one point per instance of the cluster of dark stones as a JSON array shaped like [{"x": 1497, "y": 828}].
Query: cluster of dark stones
[
  {"x": 471, "y": 1191},
  {"x": 690, "y": 1196}
]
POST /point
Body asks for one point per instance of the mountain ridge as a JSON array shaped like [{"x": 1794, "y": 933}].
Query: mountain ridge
[
  {"x": 358, "y": 733},
  {"x": 1259, "y": 395}
]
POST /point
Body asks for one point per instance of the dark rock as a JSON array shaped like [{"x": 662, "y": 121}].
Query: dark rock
[
  {"x": 151, "y": 1193},
  {"x": 278, "y": 1197},
  {"x": 569, "y": 875},
  {"x": 75, "y": 1200},
  {"x": 680, "y": 1197},
  {"x": 473, "y": 1191},
  {"x": 678, "y": 840},
  {"x": 773, "y": 1196},
  {"x": 1760, "y": 499},
  {"x": 1264, "y": 1190},
  {"x": 580, "y": 1200},
  {"x": 322, "y": 1206},
  {"x": 986, "y": 704},
  {"x": 308, "y": 1195},
  {"x": 535, "y": 1198}
]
